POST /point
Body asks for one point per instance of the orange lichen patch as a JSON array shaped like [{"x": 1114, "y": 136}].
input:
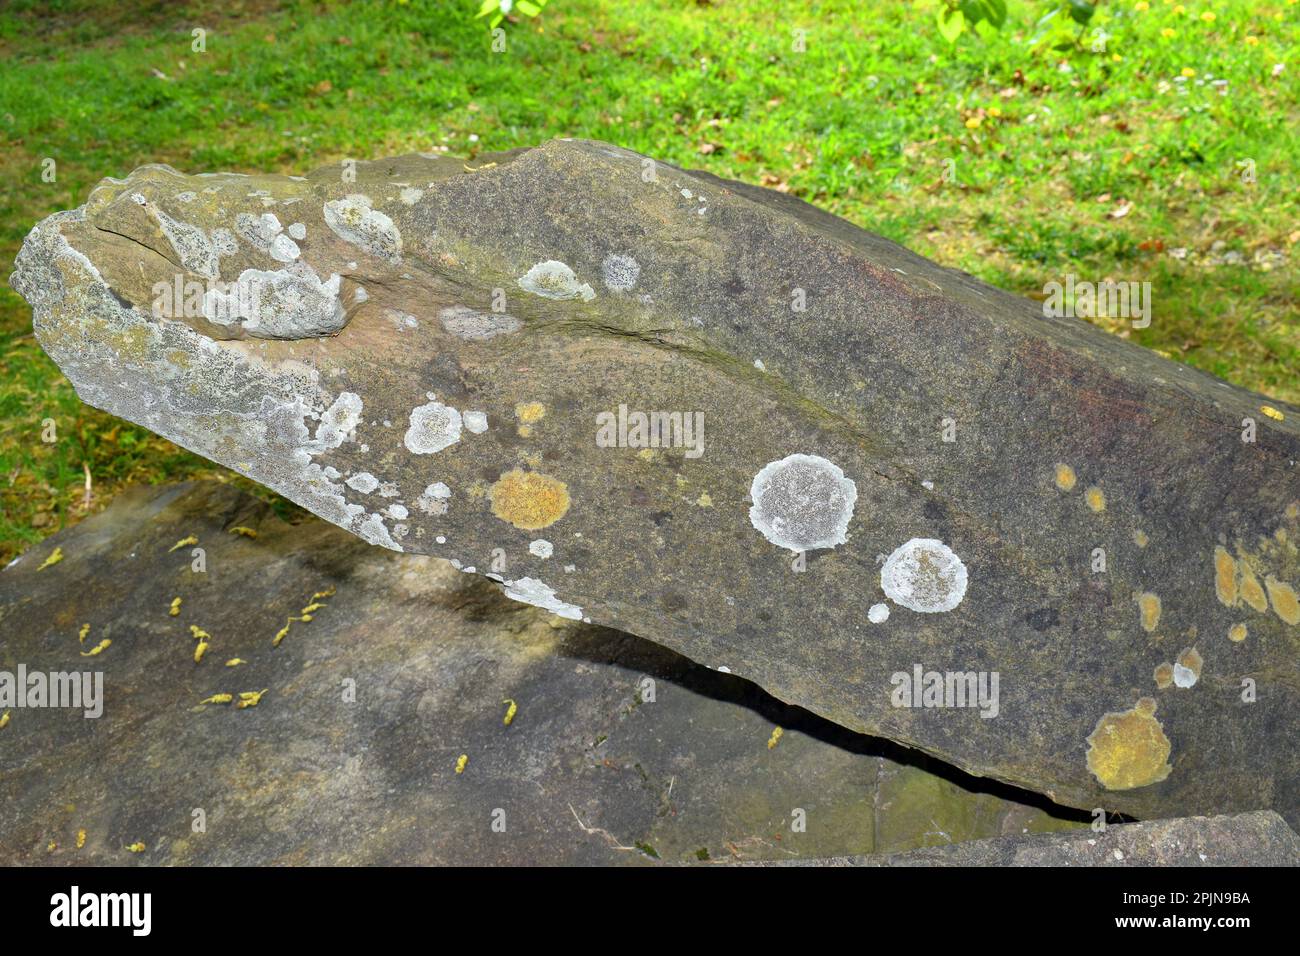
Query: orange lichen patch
[
  {"x": 1190, "y": 660},
  {"x": 1164, "y": 675},
  {"x": 1283, "y": 597},
  {"x": 1237, "y": 633},
  {"x": 529, "y": 500},
  {"x": 1129, "y": 749},
  {"x": 1225, "y": 577},
  {"x": 1252, "y": 592},
  {"x": 1149, "y": 609},
  {"x": 1096, "y": 499},
  {"x": 1140, "y": 538},
  {"x": 1065, "y": 477}
]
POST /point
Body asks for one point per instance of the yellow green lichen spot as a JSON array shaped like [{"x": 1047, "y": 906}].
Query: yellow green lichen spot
[
  {"x": 777, "y": 734},
  {"x": 1096, "y": 499},
  {"x": 1140, "y": 538},
  {"x": 1252, "y": 592},
  {"x": 461, "y": 762},
  {"x": 1237, "y": 633},
  {"x": 55, "y": 557},
  {"x": 511, "y": 709},
  {"x": 704, "y": 501},
  {"x": 1284, "y": 600},
  {"x": 1149, "y": 609},
  {"x": 1225, "y": 577},
  {"x": 1164, "y": 675},
  {"x": 1129, "y": 749},
  {"x": 530, "y": 412},
  {"x": 1272, "y": 412},
  {"x": 529, "y": 500},
  {"x": 1065, "y": 477}
]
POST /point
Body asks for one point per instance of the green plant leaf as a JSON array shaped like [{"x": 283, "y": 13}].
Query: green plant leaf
[
  {"x": 528, "y": 9},
  {"x": 486, "y": 7},
  {"x": 951, "y": 24}
]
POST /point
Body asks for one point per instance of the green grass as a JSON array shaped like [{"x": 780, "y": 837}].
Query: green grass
[{"x": 863, "y": 123}]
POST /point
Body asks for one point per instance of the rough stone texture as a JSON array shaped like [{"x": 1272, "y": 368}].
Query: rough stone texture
[
  {"x": 632, "y": 283},
  {"x": 1261, "y": 838},
  {"x": 306, "y": 777}
]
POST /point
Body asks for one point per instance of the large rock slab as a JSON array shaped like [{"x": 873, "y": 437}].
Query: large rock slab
[
  {"x": 618, "y": 751},
  {"x": 1261, "y": 838},
  {"x": 451, "y": 359}
]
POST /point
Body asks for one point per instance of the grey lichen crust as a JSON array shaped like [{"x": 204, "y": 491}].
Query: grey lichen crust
[{"x": 419, "y": 353}]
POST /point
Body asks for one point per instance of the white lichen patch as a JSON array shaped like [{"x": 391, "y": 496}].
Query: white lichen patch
[
  {"x": 297, "y": 231},
  {"x": 363, "y": 482},
  {"x": 401, "y": 320},
  {"x": 924, "y": 575},
  {"x": 539, "y": 594},
  {"x": 279, "y": 305},
  {"x": 338, "y": 422},
  {"x": 410, "y": 195},
  {"x": 434, "y": 499},
  {"x": 354, "y": 221},
  {"x": 1185, "y": 676},
  {"x": 541, "y": 548},
  {"x": 555, "y": 280},
  {"x": 466, "y": 323},
  {"x": 433, "y": 427},
  {"x": 802, "y": 502},
  {"x": 620, "y": 272},
  {"x": 475, "y": 422},
  {"x": 878, "y": 613}
]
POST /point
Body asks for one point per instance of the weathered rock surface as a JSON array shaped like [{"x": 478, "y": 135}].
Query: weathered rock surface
[
  {"x": 1261, "y": 838},
  {"x": 595, "y": 767},
  {"x": 450, "y": 360}
]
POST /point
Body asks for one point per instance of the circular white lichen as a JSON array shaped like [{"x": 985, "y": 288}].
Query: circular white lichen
[
  {"x": 363, "y": 482},
  {"x": 620, "y": 272},
  {"x": 1184, "y": 676},
  {"x": 924, "y": 575},
  {"x": 878, "y": 614},
  {"x": 434, "y": 426},
  {"x": 541, "y": 548},
  {"x": 475, "y": 422},
  {"x": 802, "y": 502},
  {"x": 553, "y": 279}
]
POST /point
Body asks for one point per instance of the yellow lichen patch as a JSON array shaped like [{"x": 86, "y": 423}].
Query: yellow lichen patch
[
  {"x": 218, "y": 699},
  {"x": 328, "y": 592},
  {"x": 511, "y": 709},
  {"x": 1252, "y": 592},
  {"x": 1096, "y": 499},
  {"x": 55, "y": 557},
  {"x": 198, "y": 633},
  {"x": 97, "y": 649},
  {"x": 1283, "y": 598},
  {"x": 1293, "y": 510},
  {"x": 280, "y": 635},
  {"x": 250, "y": 698},
  {"x": 1237, "y": 633},
  {"x": 529, "y": 500},
  {"x": 137, "y": 847},
  {"x": 200, "y": 649},
  {"x": 1129, "y": 749},
  {"x": 51, "y": 847},
  {"x": 525, "y": 431},
  {"x": 530, "y": 412},
  {"x": 235, "y": 662},
  {"x": 1149, "y": 610},
  {"x": 244, "y": 532},
  {"x": 704, "y": 501},
  {"x": 83, "y": 634},
  {"x": 4, "y": 720},
  {"x": 648, "y": 454},
  {"x": 1272, "y": 412},
  {"x": 1140, "y": 538},
  {"x": 461, "y": 762},
  {"x": 183, "y": 542},
  {"x": 81, "y": 839},
  {"x": 1065, "y": 477},
  {"x": 1164, "y": 675},
  {"x": 777, "y": 734},
  {"x": 175, "y": 609},
  {"x": 1225, "y": 577}
]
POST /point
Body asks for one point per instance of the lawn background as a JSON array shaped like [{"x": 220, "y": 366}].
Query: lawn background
[{"x": 1131, "y": 159}]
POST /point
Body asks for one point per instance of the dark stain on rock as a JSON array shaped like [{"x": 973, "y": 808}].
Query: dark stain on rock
[{"x": 1043, "y": 619}]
